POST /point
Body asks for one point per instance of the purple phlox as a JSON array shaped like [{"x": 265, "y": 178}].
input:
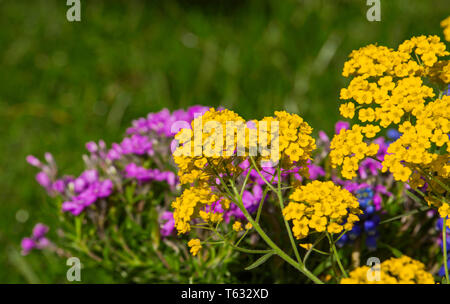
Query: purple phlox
[
  {"x": 146, "y": 175},
  {"x": 341, "y": 125},
  {"x": 37, "y": 240},
  {"x": 87, "y": 189},
  {"x": 167, "y": 223}
]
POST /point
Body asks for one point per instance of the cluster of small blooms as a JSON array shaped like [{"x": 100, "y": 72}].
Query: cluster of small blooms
[
  {"x": 161, "y": 122},
  {"x": 388, "y": 87},
  {"x": 144, "y": 175},
  {"x": 446, "y": 25},
  {"x": 321, "y": 206},
  {"x": 193, "y": 155},
  {"x": 87, "y": 188},
  {"x": 369, "y": 187},
  {"x": 167, "y": 223},
  {"x": 196, "y": 202},
  {"x": 195, "y": 246},
  {"x": 215, "y": 162},
  {"x": 348, "y": 149},
  {"x": 410, "y": 155},
  {"x": 294, "y": 140},
  {"x": 37, "y": 239},
  {"x": 295, "y": 145},
  {"x": 403, "y": 270},
  {"x": 108, "y": 170},
  {"x": 136, "y": 144},
  {"x": 47, "y": 176},
  {"x": 79, "y": 192}
]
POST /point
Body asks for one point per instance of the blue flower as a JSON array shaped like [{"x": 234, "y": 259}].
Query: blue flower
[{"x": 393, "y": 134}]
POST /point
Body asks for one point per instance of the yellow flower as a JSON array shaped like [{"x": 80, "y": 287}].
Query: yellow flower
[
  {"x": 237, "y": 226},
  {"x": 347, "y": 110},
  {"x": 307, "y": 246},
  {"x": 195, "y": 246},
  {"x": 403, "y": 270},
  {"x": 321, "y": 206}
]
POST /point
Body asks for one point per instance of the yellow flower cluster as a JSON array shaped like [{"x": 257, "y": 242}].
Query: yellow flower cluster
[
  {"x": 237, "y": 226},
  {"x": 295, "y": 143},
  {"x": 388, "y": 88},
  {"x": 200, "y": 146},
  {"x": 192, "y": 203},
  {"x": 322, "y": 206},
  {"x": 446, "y": 25},
  {"x": 195, "y": 246},
  {"x": 427, "y": 48},
  {"x": 403, "y": 270},
  {"x": 284, "y": 137},
  {"x": 411, "y": 155},
  {"x": 211, "y": 152},
  {"x": 348, "y": 149}
]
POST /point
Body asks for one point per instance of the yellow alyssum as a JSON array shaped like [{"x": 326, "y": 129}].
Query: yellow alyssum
[
  {"x": 195, "y": 246},
  {"x": 403, "y": 270},
  {"x": 321, "y": 206},
  {"x": 392, "y": 87},
  {"x": 189, "y": 206}
]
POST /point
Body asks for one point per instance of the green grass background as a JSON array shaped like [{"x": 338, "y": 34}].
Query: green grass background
[{"x": 63, "y": 84}]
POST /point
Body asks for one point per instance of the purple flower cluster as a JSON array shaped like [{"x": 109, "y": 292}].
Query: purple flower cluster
[
  {"x": 136, "y": 144},
  {"x": 167, "y": 223},
  {"x": 161, "y": 122},
  {"x": 46, "y": 177},
  {"x": 37, "y": 239},
  {"x": 143, "y": 156},
  {"x": 87, "y": 189},
  {"x": 146, "y": 175}
]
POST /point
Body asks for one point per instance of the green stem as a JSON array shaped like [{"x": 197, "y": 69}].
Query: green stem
[
  {"x": 444, "y": 245},
  {"x": 338, "y": 260},
  {"x": 300, "y": 267},
  {"x": 405, "y": 214},
  {"x": 240, "y": 248},
  {"x": 288, "y": 228}
]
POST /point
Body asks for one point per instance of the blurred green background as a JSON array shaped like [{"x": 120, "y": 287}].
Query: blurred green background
[{"x": 63, "y": 84}]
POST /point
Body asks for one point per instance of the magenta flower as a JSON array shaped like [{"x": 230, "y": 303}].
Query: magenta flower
[
  {"x": 43, "y": 179},
  {"x": 167, "y": 226},
  {"x": 37, "y": 239}
]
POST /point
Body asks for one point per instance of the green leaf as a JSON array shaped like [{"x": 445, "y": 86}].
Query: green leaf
[{"x": 260, "y": 261}]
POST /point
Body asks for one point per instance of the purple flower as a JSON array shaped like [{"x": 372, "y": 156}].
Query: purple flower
[
  {"x": 79, "y": 184},
  {"x": 40, "y": 230},
  {"x": 167, "y": 223},
  {"x": 59, "y": 186},
  {"x": 315, "y": 171},
  {"x": 162, "y": 121},
  {"x": 91, "y": 147},
  {"x": 27, "y": 245},
  {"x": 145, "y": 175},
  {"x": 103, "y": 188},
  {"x": 37, "y": 239},
  {"x": 43, "y": 179},
  {"x": 90, "y": 176},
  {"x": 33, "y": 161},
  {"x": 324, "y": 137},
  {"x": 341, "y": 125},
  {"x": 74, "y": 207}
]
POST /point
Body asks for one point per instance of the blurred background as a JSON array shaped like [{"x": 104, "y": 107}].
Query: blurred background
[{"x": 65, "y": 83}]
